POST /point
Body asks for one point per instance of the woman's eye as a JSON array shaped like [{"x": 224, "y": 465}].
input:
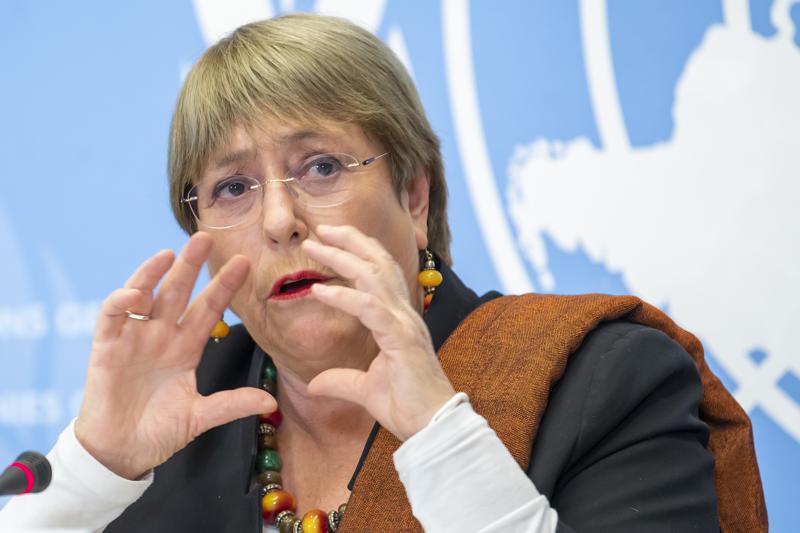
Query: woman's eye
[
  {"x": 322, "y": 167},
  {"x": 231, "y": 188}
]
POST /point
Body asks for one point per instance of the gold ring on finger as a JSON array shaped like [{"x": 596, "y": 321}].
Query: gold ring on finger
[{"x": 137, "y": 316}]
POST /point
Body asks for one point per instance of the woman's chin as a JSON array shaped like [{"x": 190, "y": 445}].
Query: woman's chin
[{"x": 319, "y": 334}]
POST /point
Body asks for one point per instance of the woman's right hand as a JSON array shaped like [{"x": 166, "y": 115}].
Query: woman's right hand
[{"x": 140, "y": 402}]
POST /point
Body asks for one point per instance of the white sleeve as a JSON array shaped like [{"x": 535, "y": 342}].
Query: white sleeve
[
  {"x": 460, "y": 477},
  {"x": 83, "y": 493}
]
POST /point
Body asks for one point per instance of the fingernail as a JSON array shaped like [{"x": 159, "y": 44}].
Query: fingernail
[{"x": 316, "y": 287}]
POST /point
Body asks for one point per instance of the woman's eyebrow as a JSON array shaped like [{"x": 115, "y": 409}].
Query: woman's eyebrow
[
  {"x": 321, "y": 139},
  {"x": 298, "y": 136},
  {"x": 289, "y": 139},
  {"x": 233, "y": 157}
]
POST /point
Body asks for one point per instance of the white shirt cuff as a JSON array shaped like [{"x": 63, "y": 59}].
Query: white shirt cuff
[
  {"x": 458, "y": 463},
  {"x": 96, "y": 478}
]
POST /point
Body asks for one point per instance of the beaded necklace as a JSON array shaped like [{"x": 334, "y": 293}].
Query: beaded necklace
[{"x": 278, "y": 506}]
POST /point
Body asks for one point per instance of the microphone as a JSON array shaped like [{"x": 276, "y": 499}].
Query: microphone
[{"x": 30, "y": 472}]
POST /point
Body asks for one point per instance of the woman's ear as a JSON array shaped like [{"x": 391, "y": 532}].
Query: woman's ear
[{"x": 417, "y": 194}]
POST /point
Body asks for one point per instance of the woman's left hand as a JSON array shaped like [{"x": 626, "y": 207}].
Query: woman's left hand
[{"x": 405, "y": 385}]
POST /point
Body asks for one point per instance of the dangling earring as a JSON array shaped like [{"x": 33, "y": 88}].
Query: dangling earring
[
  {"x": 220, "y": 330},
  {"x": 429, "y": 278}
]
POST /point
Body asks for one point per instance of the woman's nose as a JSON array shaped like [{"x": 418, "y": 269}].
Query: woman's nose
[{"x": 281, "y": 220}]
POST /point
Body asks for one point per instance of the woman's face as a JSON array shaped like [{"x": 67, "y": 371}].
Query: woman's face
[{"x": 299, "y": 332}]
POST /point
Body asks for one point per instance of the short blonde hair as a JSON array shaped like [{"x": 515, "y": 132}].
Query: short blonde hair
[{"x": 293, "y": 68}]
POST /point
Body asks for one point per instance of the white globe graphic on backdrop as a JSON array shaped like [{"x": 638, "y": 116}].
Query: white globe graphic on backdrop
[
  {"x": 701, "y": 224},
  {"x": 718, "y": 200}
]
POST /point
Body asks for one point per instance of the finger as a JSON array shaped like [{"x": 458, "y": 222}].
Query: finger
[
  {"x": 207, "y": 309},
  {"x": 378, "y": 271},
  {"x": 345, "y": 263},
  {"x": 369, "y": 309},
  {"x": 147, "y": 277},
  {"x": 175, "y": 291},
  {"x": 226, "y": 406},
  {"x": 341, "y": 383},
  {"x": 113, "y": 312},
  {"x": 354, "y": 241}
]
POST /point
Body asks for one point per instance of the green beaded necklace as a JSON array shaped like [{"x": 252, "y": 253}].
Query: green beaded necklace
[{"x": 278, "y": 506}]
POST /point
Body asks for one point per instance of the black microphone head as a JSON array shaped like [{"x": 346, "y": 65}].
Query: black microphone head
[{"x": 39, "y": 467}]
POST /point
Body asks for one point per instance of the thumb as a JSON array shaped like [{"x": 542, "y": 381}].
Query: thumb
[
  {"x": 226, "y": 406},
  {"x": 341, "y": 383}
]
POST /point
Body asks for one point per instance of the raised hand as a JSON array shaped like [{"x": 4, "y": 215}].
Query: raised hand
[
  {"x": 140, "y": 402},
  {"x": 405, "y": 385}
]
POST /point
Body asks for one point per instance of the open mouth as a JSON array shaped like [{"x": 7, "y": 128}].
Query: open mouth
[{"x": 295, "y": 285}]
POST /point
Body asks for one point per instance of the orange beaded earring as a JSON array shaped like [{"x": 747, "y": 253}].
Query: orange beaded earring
[
  {"x": 429, "y": 278},
  {"x": 220, "y": 330}
]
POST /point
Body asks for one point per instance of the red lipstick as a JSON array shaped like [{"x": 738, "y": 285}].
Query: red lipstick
[{"x": 295, "y": 285}]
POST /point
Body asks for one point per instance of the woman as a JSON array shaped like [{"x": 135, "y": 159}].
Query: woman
[{"x": 303, "y": 166}]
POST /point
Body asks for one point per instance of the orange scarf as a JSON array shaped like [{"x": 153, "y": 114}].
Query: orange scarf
[{"x": 530, "y": 338}]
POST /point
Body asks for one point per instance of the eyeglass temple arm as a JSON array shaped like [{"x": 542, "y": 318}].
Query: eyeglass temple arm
[{"x": 373, "y": 159}]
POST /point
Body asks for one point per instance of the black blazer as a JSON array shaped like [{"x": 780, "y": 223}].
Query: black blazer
[{"x": 620, "y": 447}]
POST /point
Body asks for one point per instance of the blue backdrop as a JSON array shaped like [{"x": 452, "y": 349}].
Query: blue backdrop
[{"x": 642, "y": 147}]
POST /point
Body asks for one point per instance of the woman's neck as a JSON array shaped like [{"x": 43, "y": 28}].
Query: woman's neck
[
  {"x": 320, "y": 442},
  {"x": 320, "y": 421}
]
